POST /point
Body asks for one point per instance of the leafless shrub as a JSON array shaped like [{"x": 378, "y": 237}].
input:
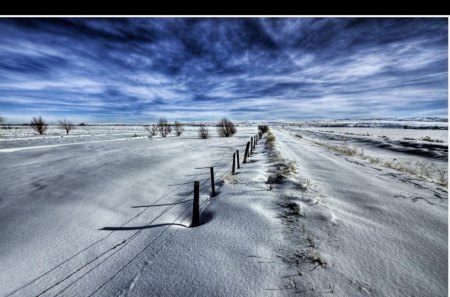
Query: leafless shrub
[
  {"x": 299, "y": 135},
  {"x": 374, "y": 160},
  {"x": 66, "y": 126},
  {"x": 275, "y": 156},
  {"x": 151, "y": 130},
  {"x": 349, "y": 151},
  {"x": 154, "y": 130},
  {"x": 429, "y": 139},
  {"x": 270, "y": 139},
  {"x": 442, "y": 176},
  {"x": 203, "y": 132},
  {"x": 226, "y": 128},
  {"x": 179, "y": 128},
  {"x": 39, "y": 125},
  {"x": 424, "y": 168},
  {"x": 275, "y": 177},
  {"x": 164, "y": 127},
  {"x": 263, "y": 128},
  {"x": 283, "y": 169},
  {"x": 362, "y": 154},
  {"x": 304, "y": 184}
]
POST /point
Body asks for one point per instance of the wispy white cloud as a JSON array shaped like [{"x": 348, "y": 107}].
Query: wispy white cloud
[{"x": 141, "y": 69}]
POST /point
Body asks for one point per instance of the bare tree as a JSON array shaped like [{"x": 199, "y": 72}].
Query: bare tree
[
  {"x": 263, "y": 128},
  {"x": 39, "y": 125},
  {"x": 226, "y": 128},
  {"x": 66, "y": 125},
  {"x": 203, "y": 132},
  {"x": 164, "y": 127},
  {"x": 151, "y": 129},
  {"x": 179, "y": 128},
  {"x": 154, "y": 130}
]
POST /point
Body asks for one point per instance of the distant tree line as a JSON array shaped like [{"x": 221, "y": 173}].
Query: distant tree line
[{"x": 225, "y": 127}]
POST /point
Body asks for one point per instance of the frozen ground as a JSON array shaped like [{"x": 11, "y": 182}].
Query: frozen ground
[{"x": 106, "y": 215}]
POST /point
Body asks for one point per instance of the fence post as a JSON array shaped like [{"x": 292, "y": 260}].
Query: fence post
[
  {"x": 251, "y": 145},
  {"x": 234, "y": 164},
  {"x": 246, "y": 152},
  {"x": 237, "y": 158},
  {"x": 196, "y": 205},
  {"x": 213, "y": 186}
]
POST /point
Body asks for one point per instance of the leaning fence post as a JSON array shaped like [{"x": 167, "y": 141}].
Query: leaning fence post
[
  {"x": 234, "y": 164},
  {"x": 246, "y": 152},
  {"x": 196, "y": 205},
  {"x": 213, "y": 186},
  {"x": 237, "y": 158}
]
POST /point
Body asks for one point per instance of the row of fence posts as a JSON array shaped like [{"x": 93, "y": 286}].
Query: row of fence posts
[{"x": 251, "y": 145}]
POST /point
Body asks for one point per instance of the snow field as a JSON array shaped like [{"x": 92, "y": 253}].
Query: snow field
[
  {"x": 379, "y": 232},
  {"x": 62, "y": 210},
  {"x": 109, "y": 218}
]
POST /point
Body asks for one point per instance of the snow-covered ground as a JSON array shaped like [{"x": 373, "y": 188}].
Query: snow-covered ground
[
  {"x": 107, "y": 215},
  {"x": 381, "y": 232},
  {"x": 56, "y": 199}
]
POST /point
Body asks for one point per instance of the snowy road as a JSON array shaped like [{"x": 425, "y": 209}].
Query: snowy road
[{"x": 381, "y": 233}]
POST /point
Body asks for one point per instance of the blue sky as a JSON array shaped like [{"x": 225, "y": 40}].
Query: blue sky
[{"x": 136, "y": 70}]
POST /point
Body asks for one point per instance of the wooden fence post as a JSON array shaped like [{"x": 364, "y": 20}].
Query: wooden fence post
[
  {"x": 196, "y": 205},
  {"x": 237, "y": 158},
  {"x": 233, "y": 170},
  {"x": 246, "y": 152},
  {"x": 251, "y": 140},
  {"x": 213, "y": 186}
]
